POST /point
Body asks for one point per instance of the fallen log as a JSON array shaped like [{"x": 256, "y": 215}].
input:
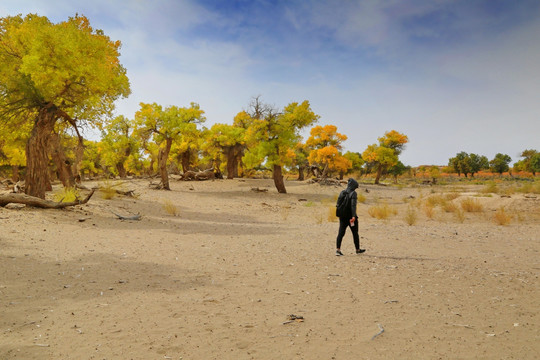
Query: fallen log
[{"x": 38, "y": 202}]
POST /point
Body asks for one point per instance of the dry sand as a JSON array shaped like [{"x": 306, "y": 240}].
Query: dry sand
[{"x": 219, "y": 280}]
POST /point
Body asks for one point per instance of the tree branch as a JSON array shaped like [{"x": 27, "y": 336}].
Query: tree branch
[{"x": 38, "y": 202}]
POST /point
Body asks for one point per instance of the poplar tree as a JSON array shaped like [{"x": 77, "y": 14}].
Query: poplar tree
[{"x": 55, "y": 73}]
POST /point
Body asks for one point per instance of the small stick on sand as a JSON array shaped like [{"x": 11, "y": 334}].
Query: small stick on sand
[
  {"x": 465, "y": 326},
  {"x": 136, "y": 217},
  {"x": 379, "y": 333}
]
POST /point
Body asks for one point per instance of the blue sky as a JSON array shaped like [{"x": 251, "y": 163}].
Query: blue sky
[{"x": 453, "y": 75}]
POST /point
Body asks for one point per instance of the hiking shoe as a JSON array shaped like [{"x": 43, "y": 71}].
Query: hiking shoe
[
  {"x": 339, "y": 253},
  {"x": 360, "y": 251}
]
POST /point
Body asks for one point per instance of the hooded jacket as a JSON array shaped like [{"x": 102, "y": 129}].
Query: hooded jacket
[{"x": 350, "y": 192}]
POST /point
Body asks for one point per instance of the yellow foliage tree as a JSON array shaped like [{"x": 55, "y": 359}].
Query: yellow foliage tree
[
  {"x": 325, "y": 144},
  {"x": 380, "y": 157}
]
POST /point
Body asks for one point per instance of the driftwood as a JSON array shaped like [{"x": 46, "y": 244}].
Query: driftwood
[
  {"x": 135, "y": 217},
  {"x": 130, "y": 193},
  {"x": 38, "y": 202},
  {"x": 256, "y": 189},
  {"x": 381, "y": 330},
  {"x": 200, "y": 175},
  {"x": 327, "y": 181}
]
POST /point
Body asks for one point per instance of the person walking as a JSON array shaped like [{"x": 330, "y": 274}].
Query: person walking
[{"x": 346, "y": 211}]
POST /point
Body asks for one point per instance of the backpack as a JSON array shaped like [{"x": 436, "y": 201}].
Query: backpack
[{"x": 343, "y": 203}]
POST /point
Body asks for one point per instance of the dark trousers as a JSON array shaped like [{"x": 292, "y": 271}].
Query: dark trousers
[{"x": 343, "y": 224}]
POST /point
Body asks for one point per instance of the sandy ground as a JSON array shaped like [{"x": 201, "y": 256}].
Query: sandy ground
[{"x": 219, "y": 280}]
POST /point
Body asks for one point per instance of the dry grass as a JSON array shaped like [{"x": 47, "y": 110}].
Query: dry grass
[
  {"x": 501, "y": 217},
  {"x": 436, "y": 200},
  {"x": 449, "y": 207},
  {"x": 491, "y": 187},
  {"x": 361, "y": 198},
  {"x": 460, "y": 215},
  {"x": 471, "y": 205},
  {"x": 382, "y": 212},
  {"x": 107, "y": 189},
  {"x": 170, "y": 208},
  {"x": 452, "y": 196},
  {"x": 429, "y": 210},
  {"x": 410, "y": 216},
  {"x": 68, "y": 194},
  {"x": 530, "y": 188},
  {"x": 331, "y": 214}
]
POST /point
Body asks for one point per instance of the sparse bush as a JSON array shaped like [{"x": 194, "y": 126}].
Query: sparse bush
[
  {"x": 435, "y": 200},
  {"x": 501, "y": 217},
  {"x": 382, "y": 212},
  {"x": 107, "y": 189},
  {"x": 491, "y": 187},
  {"x": 429, "y": 210},
  {"x": 449, "y": 207},
  {"x": 361, "y": 198},
  {"x": 451, "y": 196},
  {"x": 332, "y": 214},
  {"x": 170, "y": 208},
  {"x": 460, "y": 215},
  {"x": 471, "y": 205},
  {"x": 68, "y": 194},
  {"x": 531, "y": 188},
  {"x": 410, "y": 216}
]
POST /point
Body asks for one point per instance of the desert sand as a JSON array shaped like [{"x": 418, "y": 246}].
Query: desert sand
[{"x": 219, "y": 279}]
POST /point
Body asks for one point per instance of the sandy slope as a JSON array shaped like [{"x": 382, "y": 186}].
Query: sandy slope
[{"x": 219, "y": 280}]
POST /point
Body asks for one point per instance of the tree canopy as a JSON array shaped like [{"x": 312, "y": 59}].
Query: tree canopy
[{"x": 51, "y": 72}]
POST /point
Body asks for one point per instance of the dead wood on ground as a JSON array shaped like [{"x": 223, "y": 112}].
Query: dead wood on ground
[{"x": 38, "y": 202}]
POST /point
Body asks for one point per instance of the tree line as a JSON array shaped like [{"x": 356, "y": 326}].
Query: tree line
[
  {"x": 58, "y": 79},
  {"x": 470, "y": 164}
]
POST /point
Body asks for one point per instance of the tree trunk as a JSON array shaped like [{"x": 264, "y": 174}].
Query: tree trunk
[
  {"x": 163, "y": 155},
  {"x": 379, "y": 174},
  {"x": 301, "y": 173},
  {"x": 121, "y": 170},
  {"x": 231, "y": 163},
  {"x": 63, "y": 166},
  {"x": 15, "y": 173},
  {"x": 79, "y": 157},
  {"x": 324, "y": 174},
  {"x": 185, "y": 160},
  {"x": 278, "y": 180},
  {"x": 37, "y": 179}
]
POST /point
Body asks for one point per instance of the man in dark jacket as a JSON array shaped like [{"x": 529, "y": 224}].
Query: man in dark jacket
[{"x": 348, "y": 217}]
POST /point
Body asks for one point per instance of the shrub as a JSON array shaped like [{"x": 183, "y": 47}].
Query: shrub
[
  {"x": 170, "y": 208},
  {"x": 361, "y": 198},
  {"x": 107, "y": 189},
  {"x": 429, "y": 210},
  {"x": 449, "y": 207},
  {"x": 491, "y": 187},
  {"x": 501, "y": 217},
  {"x": 68, "y": 194},
  {"x": 382, "y": 211},
  {"x": 471, "y": 205},
  {"x": 452, "y": 196},
  {"x": 460, "y": 215},
  {"x": 410, "y": 216},
  {"x": 331, "y": 214},
  {"x": 435, "y": 200}
]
